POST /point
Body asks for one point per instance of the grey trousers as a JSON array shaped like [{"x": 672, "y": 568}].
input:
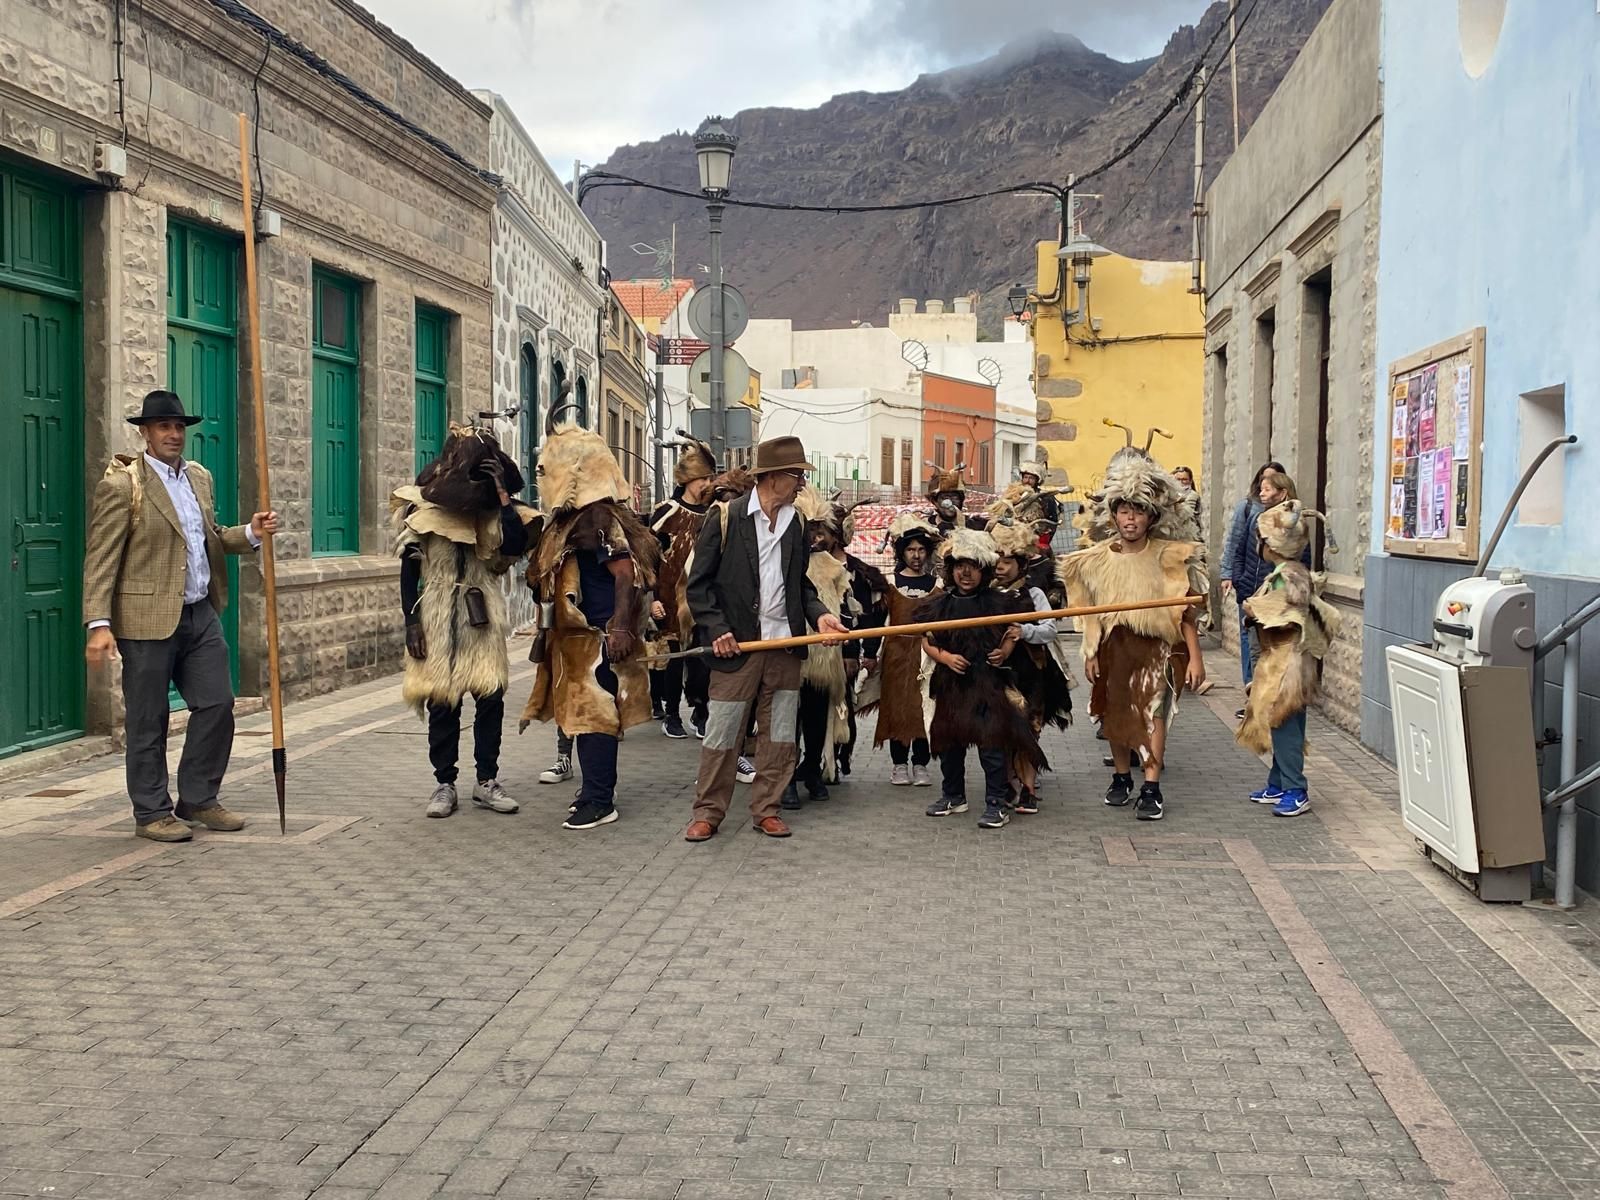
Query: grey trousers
[{"x": 195, "y": 660}]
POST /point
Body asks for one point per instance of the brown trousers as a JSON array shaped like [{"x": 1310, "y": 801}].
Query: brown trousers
[{"x": 771, "y": 681}]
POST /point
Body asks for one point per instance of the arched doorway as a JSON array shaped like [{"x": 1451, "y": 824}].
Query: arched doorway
[{"x": 528, "y": 392}]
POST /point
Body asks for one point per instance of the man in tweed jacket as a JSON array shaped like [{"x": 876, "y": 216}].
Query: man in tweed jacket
[{"x": 155, "y": 581}]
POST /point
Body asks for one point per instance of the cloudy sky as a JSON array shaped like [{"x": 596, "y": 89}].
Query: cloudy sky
[{"x": 586, "y": 76}]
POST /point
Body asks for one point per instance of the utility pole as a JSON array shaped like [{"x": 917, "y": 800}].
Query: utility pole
[
  {"x": 658, "y": 454},
  {"x": 1233, "y": 64},
  {"x": 1198, "y": 210}
]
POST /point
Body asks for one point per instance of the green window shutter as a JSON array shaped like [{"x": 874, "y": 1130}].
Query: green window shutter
[
  {"x": 335, "y": 415},
  {"x": 432, "y": 405}
]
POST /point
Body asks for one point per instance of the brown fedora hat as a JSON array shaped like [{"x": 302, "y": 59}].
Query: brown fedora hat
[{"x": 781, "y": 454}]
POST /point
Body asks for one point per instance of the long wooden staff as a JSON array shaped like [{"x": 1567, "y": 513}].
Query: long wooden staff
[
  {"x": 269, "y": 570},
  {"x": 1054, "y": 614}
]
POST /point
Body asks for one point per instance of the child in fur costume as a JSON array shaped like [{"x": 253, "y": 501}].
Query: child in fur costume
[
  {"x": 1137, "y": 661},
  {"x": 975, "y": 700},
  {"x": 592, "y": 566},
  {"x": 1296, "y": 626},
  {"x": 824, "y": 722},
  {"x": 1039, "y": 662},
  {"x": 865, "y": 607},
  {"x": 899, "y": 690},
  {"x": 457, "y": 530},
  {"x": 676, "y": 524},
  {"x": 947, "y": 490}
]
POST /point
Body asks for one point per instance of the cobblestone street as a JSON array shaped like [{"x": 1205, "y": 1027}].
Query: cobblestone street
[{"x": 1226, "y": 1004}]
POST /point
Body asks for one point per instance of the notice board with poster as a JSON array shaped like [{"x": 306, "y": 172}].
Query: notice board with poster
[{"x": 1434, "y": 407}]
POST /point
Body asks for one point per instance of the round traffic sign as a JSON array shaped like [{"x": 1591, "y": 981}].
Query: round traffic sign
[
  {"x": 735, "y": 377},
  {"x": 735, "y": 313}
]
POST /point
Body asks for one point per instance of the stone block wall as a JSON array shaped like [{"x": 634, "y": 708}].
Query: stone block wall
[
  {"x": 359, "y": 192},
  {"x": 1260, "y": 407}
]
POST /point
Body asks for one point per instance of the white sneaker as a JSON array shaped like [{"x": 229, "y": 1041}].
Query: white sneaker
[
  {"x": 747, "y": 770},
  {"x": 900, "y": 775},
  {"x": 489, "y": 794},
  {"x": 443, "y": 801},
  {"x": 559, "y": 772},
  {"x": 920, "y": 776}
]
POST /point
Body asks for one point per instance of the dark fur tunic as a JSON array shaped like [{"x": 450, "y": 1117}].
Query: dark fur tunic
[{"x": 982, "y": 707}]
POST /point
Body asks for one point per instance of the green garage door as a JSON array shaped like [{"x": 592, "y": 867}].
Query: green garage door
[
  {"x": 202, "y": 367},
  {"x": 41, "y": 465}
]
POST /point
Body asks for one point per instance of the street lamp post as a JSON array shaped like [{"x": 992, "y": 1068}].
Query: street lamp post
[{"x": 713, "y": 148}]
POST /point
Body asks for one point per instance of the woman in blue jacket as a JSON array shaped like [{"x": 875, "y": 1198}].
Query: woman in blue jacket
[{"x": 1243, "y": 568}]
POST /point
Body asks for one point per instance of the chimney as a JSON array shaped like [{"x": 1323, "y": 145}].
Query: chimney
[
  {"x": 961, "y": 306},
  {"x": 908, "y": 306},
  {"x": 935, "y": 308}
]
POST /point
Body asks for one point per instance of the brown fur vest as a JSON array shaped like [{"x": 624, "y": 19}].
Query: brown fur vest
[
  {"x": 1296, "y": 628},
  {"x": 902, "y": 704},
  {"x": 982, "y": 707},
  {"x": 565, "y": 686},
  {"x": 677, "y": 527}
]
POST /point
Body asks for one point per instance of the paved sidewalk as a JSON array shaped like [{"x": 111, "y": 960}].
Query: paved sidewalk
[{"x": 885, "y": 1005}]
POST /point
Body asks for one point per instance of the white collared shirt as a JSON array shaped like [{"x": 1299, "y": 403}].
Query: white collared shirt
[{"x": 774, "y": 609}]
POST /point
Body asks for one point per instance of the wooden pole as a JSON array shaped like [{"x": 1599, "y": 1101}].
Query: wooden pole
[
  {"x": 1023, "y": 618},
  {"x": 269, "y": 573}
]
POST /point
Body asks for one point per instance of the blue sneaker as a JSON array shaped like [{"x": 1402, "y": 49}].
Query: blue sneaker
[
  {"x": 947, "y": 806},
  {"x": 1266, "y": 795},
  {"x": 994, "y": 817},
  {"x": 1292, "y": 803}
]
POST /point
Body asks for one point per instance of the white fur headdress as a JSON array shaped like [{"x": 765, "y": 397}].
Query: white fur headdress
[
  {"x": 1014, "y": 539},
  {"x": 1286, "y": 529},
  {"x": 969, "y": 545}
]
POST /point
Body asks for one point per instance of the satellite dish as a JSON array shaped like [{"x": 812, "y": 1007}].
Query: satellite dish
[{"x": 990, "y": 370}]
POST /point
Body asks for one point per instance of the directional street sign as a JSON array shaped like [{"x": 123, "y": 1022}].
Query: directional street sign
[
  {"x": 735, "y": 312},
  {"x": 679, "y": 352}
]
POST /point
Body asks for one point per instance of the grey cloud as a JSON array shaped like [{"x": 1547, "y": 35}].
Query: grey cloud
[{"x": 956, "y": 31}]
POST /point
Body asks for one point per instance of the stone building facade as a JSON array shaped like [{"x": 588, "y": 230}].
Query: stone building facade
[
  {"x": 548, "y": 303},
  {"x": 374, "y": 291},
  {"x": 1291, "y": 271},
  {"x": 628, "y": 380}
]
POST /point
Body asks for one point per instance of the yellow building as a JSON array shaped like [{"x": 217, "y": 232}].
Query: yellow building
[{"x": 1131, "y": 350}]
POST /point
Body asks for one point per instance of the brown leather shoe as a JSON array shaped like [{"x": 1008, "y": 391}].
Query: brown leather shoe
[
  {"x": 699, "y": 831},
  {"x": 167, "y": 829},
  {"x": 215, "y": 818},
  {"x": 773, "y": 827}
]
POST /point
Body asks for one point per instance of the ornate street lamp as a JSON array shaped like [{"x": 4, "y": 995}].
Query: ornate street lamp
[{"x": 713, "y": 148}]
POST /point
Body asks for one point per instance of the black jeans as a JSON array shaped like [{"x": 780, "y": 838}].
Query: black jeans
[
  {"x": 918, "y": 752},
  {"x": 444, "y": 737},
  {"x": 815, "y": 713},
  {"x": 597, "y": 752},
  {"x": 681, "y": 679},
  {"x": 996, "y": 778}
]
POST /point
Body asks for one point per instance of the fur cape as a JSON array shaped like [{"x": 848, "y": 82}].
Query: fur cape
[
  {"x": 565, "y": 686},
  {"x": 677, "y": 526},
  {"x": 1296, "y": 628},
  {"x": 1137, "y": 653},
  {"x": 823, "y": 667},
  {"x": 457, "y": 551},
  {"x": 1043, "y": 675},
  {"x": 902, "y": 701},
  {"x": 982, "y": 707}
]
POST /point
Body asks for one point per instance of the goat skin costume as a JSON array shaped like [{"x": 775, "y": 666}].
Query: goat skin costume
[
  {"x": 456, "y": 551},
  {"x": 823, "y": 667},
  {"x": 588, "y": 488},
  {"x": 1138, "y": 653},
  {"x": 899, "y": 690}
]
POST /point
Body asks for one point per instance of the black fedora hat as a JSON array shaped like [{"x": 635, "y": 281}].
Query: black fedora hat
[{"x": 163, "y": 406}]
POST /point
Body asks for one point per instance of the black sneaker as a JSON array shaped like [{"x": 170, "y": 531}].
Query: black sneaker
[
  {"x": 590, "y": 815},
  {"x": 791, "y": 797},
  {"x": 1027, "y": 802},
  {"x": 657, "y": 712},
  {"x": 697, "y": 721},
  {"x": 1149, "y": 806},
  {"x": 947, "y": 806},
  {"x": 672, "y": 726},
  {"x": 994, "y": 817},
  {"x": 842, "y": 762},
  {"x": 1120, "y": 791},
  {"x": 817, "y": 791}
]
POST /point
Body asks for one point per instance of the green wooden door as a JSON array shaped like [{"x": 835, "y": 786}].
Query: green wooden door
[
  {"x": 202, "y": 367},
  {"x": 432, "y": 414},
  {"x": 41, "y": 466},
  {"x": 335, "y": 415}
]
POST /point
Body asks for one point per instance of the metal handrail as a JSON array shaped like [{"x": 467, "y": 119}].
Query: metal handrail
[{"x": 1528, "y": 473}]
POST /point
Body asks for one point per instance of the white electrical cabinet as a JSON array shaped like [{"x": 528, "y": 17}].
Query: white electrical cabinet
[{"x": 1430, "y": 747}]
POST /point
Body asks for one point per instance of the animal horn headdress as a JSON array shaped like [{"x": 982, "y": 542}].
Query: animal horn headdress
[
  {"x": 1286, "y": 529},
  {"x": 695, "y": 461}
]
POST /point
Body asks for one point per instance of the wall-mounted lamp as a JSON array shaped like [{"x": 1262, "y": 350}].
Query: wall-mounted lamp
[{"x": 1017, "y": 297}]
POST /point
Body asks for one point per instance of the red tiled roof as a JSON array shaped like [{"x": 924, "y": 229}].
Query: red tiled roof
[{"x": 646, "y": 298}]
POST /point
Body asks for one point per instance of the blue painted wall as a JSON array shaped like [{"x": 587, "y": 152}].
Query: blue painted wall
[{"x": 1491, "y": 216}]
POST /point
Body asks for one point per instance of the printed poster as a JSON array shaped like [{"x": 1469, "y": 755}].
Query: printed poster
[
  {"x": 1413, "y": 415},
  {"x": 1397, "y": 506},
  {"x": 1463, "y": 400},
  {"x": 1425, "y": 508},
  {"x": 1430, "y": 402},
  {"x": 1444, "y": 414},
  {"x": 1442, "y": 471},
  {"x": 1461, "y": 495},
  {"x": 1408, "y": 525}
]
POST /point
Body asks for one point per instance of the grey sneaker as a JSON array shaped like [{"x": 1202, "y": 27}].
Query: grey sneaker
[
  {"x": 443, "y": 801},
  {"x": 560, "y": 771},
  {"x": 900, "y": 775},
  {"x": 920, "y": 776},
  {"x": 489, "y": 794}
]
